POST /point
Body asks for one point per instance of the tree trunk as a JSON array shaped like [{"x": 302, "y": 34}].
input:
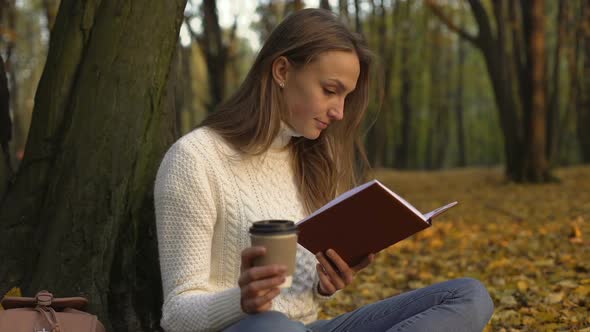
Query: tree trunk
[
  {"x": 343, "y": 9},
  {"x": 402, "y": 155},
  {"x": 79, "y": 217},
  {"x": 357, "y": 17},
  {"x": 438, "y": 126},
  {"x": 325, "y": 4},
  {"x": 378, "y": 133},
  {"x": 5, "y": 132},
  {"x": 583, "y": 109},
  {"x": 536, "y": 166},
  {"x": 553, "y": 123},
  {"x": 216, "y": 53},
  {"x": 462, "y": 156}
]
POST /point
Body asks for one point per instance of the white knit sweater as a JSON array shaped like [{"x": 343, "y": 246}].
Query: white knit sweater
[{"x": 206, "y": 198}]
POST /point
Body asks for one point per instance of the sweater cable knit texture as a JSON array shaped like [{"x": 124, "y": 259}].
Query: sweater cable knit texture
[{"x": 206, "y": 199}]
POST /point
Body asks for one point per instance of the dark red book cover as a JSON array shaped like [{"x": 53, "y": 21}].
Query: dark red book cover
[{"x": 364, "y": 220}]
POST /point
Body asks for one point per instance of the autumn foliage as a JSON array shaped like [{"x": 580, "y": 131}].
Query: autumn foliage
[{"x": 529, "y": 244}]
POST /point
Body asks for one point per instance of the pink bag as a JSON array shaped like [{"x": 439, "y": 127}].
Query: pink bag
[{"x": 44, "y": 313}]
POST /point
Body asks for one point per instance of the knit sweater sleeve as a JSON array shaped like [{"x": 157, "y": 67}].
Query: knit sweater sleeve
[{"x": 186, "y": 214}]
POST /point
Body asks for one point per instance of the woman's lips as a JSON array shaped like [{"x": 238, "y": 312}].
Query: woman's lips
[{"x": 322, "y": 124}]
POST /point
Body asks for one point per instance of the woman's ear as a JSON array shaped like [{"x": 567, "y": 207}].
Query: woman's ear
[{"x": 280, "y": 70}]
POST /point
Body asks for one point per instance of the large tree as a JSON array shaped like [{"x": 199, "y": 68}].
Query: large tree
[
  {"x": 513, "y": 47},
  {"x": 78, "y": 216}
]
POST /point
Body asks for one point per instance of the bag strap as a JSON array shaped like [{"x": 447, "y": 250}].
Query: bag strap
[
  {"x": 50, "y": 316},
  {"x": 10, "y": 302}
]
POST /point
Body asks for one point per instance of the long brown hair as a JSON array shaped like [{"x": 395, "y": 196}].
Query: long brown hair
[{"x": 251, "y": 118}]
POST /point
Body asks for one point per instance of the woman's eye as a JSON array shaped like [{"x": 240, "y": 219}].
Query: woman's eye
[{"x": 329, "y": 92}]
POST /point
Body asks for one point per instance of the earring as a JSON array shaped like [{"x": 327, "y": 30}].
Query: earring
[{"x": 282, "y": 84}]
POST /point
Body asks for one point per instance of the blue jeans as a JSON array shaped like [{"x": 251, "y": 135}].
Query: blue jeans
[{"x": 455, "y": 305}]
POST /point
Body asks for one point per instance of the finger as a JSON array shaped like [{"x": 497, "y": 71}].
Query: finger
[
  {"x": 345, "y": 272},
  {"x": 329, "y": 270},
  {"x": 249, "y": 254},
  {"x": 261, "y": 272},
  {"x": 258, "y": 287},
  {"x": 364, "y": 263},
  {"x": 260, "y": 303},
  {"x": 326, "y": 285}
]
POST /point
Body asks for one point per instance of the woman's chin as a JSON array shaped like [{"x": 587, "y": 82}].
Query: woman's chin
[{"x": 312, "y": 135}]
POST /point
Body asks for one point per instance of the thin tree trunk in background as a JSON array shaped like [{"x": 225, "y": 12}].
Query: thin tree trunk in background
[
  {"x": 390, "y": 147},
  {"x": 79, "y": 217},
  {"x": 434, "y": 97},
  {"x": 553, "y": 123},
  {"x": 442, "y": 132},
  {"x": 181, "y": 89},
  {"x": 572, "y": 37},
  {"x": 377, "y": 135},
  {"x": 386, "y": 49},
  {"x": 402, "y": 154},
  {"x": 325, "y": 4},
  {"x": 6, "y": 171},
  {"x": 357, "y": 17},
  {"x": 440, "y": 67},
  {"x": 343, "y": 10},
  {"x": 537, "y": 167},
  {"x": 583, "y": 109},
  {"x": 211, "y": 43},
  {"x": 462, "y": 156}
]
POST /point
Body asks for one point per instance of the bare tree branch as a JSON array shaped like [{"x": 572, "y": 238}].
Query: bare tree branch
[{"x": 437, "y": 10}]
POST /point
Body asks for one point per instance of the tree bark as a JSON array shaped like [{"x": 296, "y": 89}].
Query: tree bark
[
  {"x": 215, "y": 51},
  {"x": 583, "y": 109},
  {"x": 537, "y": 167},
  {"x": 5, "y": 132},
  {"x": 439, "y": 99},
  {"x": 402, "y": 154},
  {"x": 50, "y": 7},
  {"x": 343, "y": 9},
  {"x": 553, "y": 120},
  {"x": 461, "y": 150},
  {"x": 357, "y": 17},
  {"x": 79, "y": 217},
  {"x": 325, "y": 4},
  {"x": 378, "y": 133}
]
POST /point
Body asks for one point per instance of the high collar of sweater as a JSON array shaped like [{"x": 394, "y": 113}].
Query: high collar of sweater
[{"x": 284, "y": 136}]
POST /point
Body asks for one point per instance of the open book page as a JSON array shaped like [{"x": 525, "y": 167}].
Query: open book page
[
  {"x": 340, "y": 199},
  {"x": 440, "y": 210},
  {"x": 408, "y": 205}
]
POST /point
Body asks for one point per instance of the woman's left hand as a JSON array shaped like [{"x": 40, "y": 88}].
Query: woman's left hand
[{"x": 335, "y": 273}]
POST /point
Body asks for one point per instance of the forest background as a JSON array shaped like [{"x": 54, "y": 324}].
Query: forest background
[{"x": 487, "y": 102}]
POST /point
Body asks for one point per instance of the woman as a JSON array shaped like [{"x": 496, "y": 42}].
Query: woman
[{"x": 282, "y": 146}]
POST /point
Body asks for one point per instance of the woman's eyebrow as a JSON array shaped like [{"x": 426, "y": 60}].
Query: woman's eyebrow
[{"x": 340, "y": 85}]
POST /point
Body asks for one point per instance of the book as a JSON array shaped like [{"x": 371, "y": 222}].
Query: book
[{"x": 363, "y": 220}]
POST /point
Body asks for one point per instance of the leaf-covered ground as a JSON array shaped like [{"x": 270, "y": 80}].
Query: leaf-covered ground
[{"x": 529, "y": 244}]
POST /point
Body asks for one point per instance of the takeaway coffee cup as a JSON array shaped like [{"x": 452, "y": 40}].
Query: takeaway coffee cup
[{"x": 280, "y": 239}]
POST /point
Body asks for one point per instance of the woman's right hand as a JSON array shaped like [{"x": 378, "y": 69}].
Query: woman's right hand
[{"x": 260, "y": 284}]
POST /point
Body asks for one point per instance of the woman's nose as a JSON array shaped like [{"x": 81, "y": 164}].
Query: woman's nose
[{"x": 336, "y": 113}]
